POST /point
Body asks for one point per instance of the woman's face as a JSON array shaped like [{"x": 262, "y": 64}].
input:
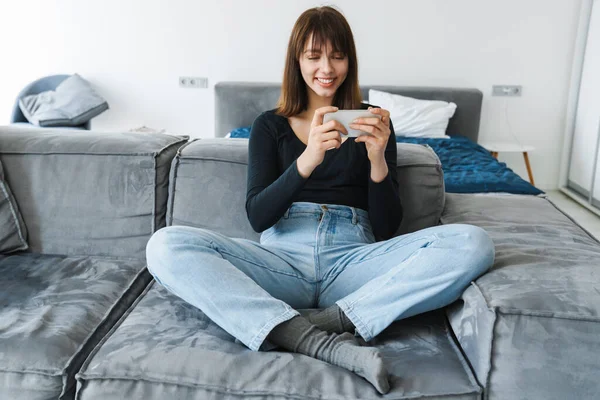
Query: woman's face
[{"x": 323, "y": 70}]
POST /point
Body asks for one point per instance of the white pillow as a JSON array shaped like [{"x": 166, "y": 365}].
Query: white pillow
[{"x": 413, "y": 117}]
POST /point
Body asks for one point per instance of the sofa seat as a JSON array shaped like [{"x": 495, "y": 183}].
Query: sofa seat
[
  {"x": 28, "y": 125},
  {"x": 536, "y": 315},
  {"x": 167, "y": 349},
  {"x": 53, "y": 310}
]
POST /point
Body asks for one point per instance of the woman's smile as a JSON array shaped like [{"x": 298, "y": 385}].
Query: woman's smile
[{"x": 325, "y": 82}]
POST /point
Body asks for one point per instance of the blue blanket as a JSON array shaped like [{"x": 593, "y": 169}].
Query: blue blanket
[{"x": 468, "y": 167}]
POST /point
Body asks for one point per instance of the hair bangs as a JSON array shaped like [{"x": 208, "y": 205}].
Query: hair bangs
[{"x": 325, "y": 29}]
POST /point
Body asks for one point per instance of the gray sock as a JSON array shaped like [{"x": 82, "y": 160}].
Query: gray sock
[
  {"x": 332, "y": 319},
  {"x": 300, "y": 336}
]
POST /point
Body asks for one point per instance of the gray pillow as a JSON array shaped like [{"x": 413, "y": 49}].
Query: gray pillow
[
  {"x": 13, "y": 234},
  {"x": 421, "y": 187},
  {"x": 73, "y": 103}
]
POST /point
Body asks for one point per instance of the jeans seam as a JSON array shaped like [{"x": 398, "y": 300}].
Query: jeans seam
[
  {"x": 366, "y": 295},
  {"x": 362, "y": 234},
  {"x": 292, "y": 213},
  {"x": 360, "y": 326},
  {"x": 260, "y": 265},
  {"x": 269, "y": 325},
  {"x": 381, "y": 254}
]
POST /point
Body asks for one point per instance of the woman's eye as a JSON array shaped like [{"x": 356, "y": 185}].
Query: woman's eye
[{"x": 337, "y": 58}]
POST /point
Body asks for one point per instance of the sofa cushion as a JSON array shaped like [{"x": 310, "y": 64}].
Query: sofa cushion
[
  {"x": 166, "y": 348},
  {"x": 53, "y": 311},
  {"x": 13, "y": 232},
  {"x": 530, "y": 326},
  {"x": 221, "y": 165},
  {"x": 89, "y": 192},
  {"x": 72, "y": 103}
]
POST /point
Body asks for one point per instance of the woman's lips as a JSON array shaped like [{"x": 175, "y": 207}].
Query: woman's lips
[{"x": 325, "y": 85}]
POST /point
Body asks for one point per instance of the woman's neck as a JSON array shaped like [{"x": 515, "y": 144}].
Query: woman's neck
[{"x": 315, "y": 102}]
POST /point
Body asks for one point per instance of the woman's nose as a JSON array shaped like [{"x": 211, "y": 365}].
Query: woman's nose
[{"x": 326, "y": 64}]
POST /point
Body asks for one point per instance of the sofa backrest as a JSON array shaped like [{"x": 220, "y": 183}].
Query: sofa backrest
[
  {"x": 89, "y": 192},
  {"x": 208, "y": 187}
]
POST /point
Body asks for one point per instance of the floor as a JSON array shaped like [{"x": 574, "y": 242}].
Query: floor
[{"x": 584, "y": 217}]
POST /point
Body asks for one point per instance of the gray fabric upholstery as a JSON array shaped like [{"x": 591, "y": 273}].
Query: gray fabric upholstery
[
  {"x": 72, "y": 103},
  {"x": 531, "y": 326},
  {"x": 13, "y": 232},
  {"x": 421, "y": 187},
  {"x": 221, "y": 165},
  {"x": 89, "y": 193},
  {"x": 237, "y": 104},
  {"x": 53, "y": 311},
  {"x": 166, "y": 348}
]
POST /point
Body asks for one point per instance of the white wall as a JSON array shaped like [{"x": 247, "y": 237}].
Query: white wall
[{"x": 133, "y": 52}]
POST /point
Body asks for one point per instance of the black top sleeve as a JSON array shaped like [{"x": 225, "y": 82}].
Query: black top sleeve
[
  {"x": 385, "y": 207},
  {"x": 268, "y": 194}
]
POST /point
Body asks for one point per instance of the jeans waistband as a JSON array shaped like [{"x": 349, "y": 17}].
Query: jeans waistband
[{"x": 356, "y": 214}]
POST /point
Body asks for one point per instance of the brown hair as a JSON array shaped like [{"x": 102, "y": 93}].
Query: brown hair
[{"x": 326, "y": 24}]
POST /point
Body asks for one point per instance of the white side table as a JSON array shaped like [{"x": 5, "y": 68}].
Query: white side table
[{"x": 497, "y": 147}]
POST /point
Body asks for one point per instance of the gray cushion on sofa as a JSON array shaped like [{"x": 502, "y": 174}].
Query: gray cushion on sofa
[
  {"x": 536, "y": 315},
  {"x": 73, "y": 103},
  {"x": 92, "y": 192},
  {"x": 13, "y": 233},
  {"x": 53, "y": 311},
  {"x": 221, "y": 165},
  {"x": 166, "y": 348}
]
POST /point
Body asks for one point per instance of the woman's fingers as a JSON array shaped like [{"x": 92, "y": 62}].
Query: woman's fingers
[
  {"x": 333, "y": 125},
  {"x": 367, "y": 139},
  {"x": 332, "y": 135},
  {"x": 331, "y": 144},
  {"x": 370, "y": 129},
  {"x": 385, "y": 114},
  {"x": 378, "y": 127},
  {"x": 318, "y": 116},
  {"x": 367, "y": 120}
]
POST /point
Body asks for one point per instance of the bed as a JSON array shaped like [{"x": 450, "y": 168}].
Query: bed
[{"x": 467, "y": 166}]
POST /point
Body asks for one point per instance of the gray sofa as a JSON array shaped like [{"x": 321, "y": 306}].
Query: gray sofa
[{"x": 80, "y": 316}]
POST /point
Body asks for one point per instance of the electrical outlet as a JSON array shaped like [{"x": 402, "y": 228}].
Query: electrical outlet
[
  {"x": 506, "y": 90},
  {"x": 193, "y": 82}
]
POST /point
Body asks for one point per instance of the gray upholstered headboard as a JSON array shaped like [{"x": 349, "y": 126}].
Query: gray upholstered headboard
[{"x": 237, "y": 104}]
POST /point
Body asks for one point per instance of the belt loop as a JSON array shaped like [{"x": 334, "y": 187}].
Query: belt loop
[
  {"x": 354, "y": 216},
  {"x": 286, "y": 215}
]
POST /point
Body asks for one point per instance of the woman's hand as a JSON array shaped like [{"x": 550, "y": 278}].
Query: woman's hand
[
  {"x": 322, "y": 137},
  {"x": 378, "y": 133}
]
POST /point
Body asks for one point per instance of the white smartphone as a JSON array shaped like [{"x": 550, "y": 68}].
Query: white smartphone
[{"x": 345, "y": 117}]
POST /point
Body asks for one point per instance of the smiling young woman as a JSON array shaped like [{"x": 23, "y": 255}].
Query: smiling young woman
[
  {"x": 328, "y": 209},
  {"x": 306, "y": 53}
]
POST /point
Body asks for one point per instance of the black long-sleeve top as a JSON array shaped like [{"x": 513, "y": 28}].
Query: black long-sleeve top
[{"x": 343, "y": 177}]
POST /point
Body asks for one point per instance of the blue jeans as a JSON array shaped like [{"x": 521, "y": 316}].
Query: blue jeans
[{"x": 315, "y": 256}]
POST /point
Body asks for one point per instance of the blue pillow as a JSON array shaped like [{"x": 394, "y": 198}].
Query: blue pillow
[
  {"x": 242, "y": 133},
  {"x": 74, "y": 102}
]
